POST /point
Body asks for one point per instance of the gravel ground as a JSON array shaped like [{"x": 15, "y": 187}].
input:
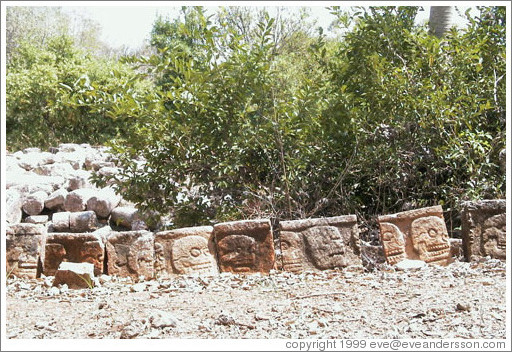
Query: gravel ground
[{"x": 463, "y": 300}]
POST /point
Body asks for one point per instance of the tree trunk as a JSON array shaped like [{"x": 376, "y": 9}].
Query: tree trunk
[{"x": 440, "y": 19}]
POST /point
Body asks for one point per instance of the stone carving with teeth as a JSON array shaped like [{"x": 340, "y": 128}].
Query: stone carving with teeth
[
  {"x": 319, "y": 244},
  {"x": 238, "y": 252},
  {"x": 430, "y": 239},
  {"x": 418, "y": 234},
  {"x": 292, "y": 248},
  {"x": 484, "y": 229},
  {"x": 245, "y": 246},
  {"x": 325, "y": 247},
  {"x": 393, "y": 243},
  {"x": 185, "y": 251},
  {"x": 190, "y": 255}
]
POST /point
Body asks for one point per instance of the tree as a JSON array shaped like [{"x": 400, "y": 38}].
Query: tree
[
  {"x": 234, "y": 128},
  {"x": 420, "y": 141},
  {"x": 440, "y": 20}
]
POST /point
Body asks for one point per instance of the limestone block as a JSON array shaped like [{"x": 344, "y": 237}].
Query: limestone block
[
  {"x": 410, "y": 264},
  {"x": 73, "y": 247},
  {"x": 32, "y": 160},
  {"x": 37, "y": 219},
  {"x": 103, "y": 202},
  {"x": 187, "y": 251},
  {"x": 320, "y": 244},
  {"x": 103, "y": 233},
  {"x": 55, "y": 201},
  {"x": 108, "y": 171},
  {"x": 245, "y": 246},
  {"x": 96, "y": 165},
  {"x": 83, "y": 221},
  {"x": 13, "y": 204},
  {"x": 31, "y": 150},
  {"x": 60, "y": 221},
  {"x": 124, "y": 216},
  {"x": 77, "y": 199},
  {"x": 12, "y": 164},
  {"x": 131, "y": 253},
  {"x": 75, "y": 158},
  {"x": 418, "y": 234},
  {"x": 79, "y": 179},
  {"x": 34, "y": 203},
  {"x": 69, "y": 147},
  {"x": 24, "y": 247},
  {"x": 56, "y": 169},
  {"x": 31, "y": 183},
  {"x": 484, "y": 229},
  {"x": 96, "y": 159},
  {"x": 75, "y": 275}
]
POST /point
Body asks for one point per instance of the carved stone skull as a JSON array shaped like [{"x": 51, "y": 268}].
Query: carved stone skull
[
  {"x": 393, "y": 242},
  {"x": 430, "y": 239},
  {"x": 238, "y": 252},
  {"x": 325, "y": 246},
  {"x": 291, "y": 248},
  {"x": 190, "y": 255}
]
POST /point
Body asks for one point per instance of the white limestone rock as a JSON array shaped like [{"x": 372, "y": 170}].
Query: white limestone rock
[
  {"x": 103, "y": 202},
  {"x": 34, "y": 203}
]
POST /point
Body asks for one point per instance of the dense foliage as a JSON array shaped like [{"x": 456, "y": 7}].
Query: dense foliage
[
  {"x": 57, "y": 90},
  {"x": 243, "y": 114}
]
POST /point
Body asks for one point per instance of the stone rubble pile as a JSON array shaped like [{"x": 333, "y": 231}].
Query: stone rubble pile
[{"x": 56, "y": 216}]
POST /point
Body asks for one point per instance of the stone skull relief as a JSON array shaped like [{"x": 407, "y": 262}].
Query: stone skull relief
[
  {"x": 190, "y": 255},
  {"x": 393, "y": 243},
  {"x": 245, "y": 246},
  {"x": 292, "y": 252},
  {"x": 430, "y": 239},
  {"x": 319, "y": 244},
  {"x": 238, "y": 252},
  {"x": 418, "y": 234},
  {"x": 325, "y": 247},
  {"x": 186, "y": 251},
  {"x": 24, "y": 244}
]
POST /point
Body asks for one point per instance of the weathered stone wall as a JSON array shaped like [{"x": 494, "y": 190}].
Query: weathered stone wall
[{"x": 55, "y": 215}]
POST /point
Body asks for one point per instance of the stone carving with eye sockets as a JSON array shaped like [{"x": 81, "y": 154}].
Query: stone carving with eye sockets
[
  {"x": 325, "y": 247},
  {"x": 238, "y": 252},
  {"x": 393, "y": 243},
  {"x": 484, "y": 229},
  {"x": 245, "y": 246},
  {"x": 418, "y": 234},
  {"x": 430, "y": 239},
  {"x": 319, "y": 244},
  {"x": 292, "y": 251},
  {"x": 131, "y": 253},
  {"x": 185, "y": 251}
]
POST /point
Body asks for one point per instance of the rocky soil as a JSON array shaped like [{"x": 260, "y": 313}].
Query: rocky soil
[{"x": 463, "y": 300}]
